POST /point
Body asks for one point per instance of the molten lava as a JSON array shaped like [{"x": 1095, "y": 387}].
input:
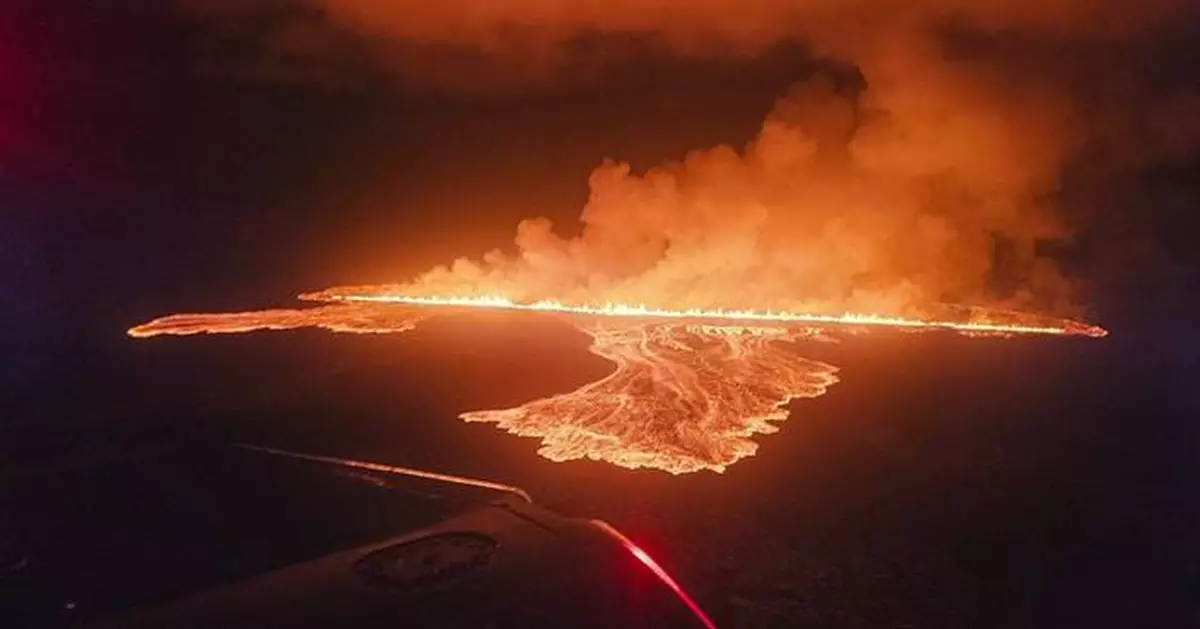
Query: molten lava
[
  {"x": 689, "y": 389},
  {"x": 353, "y": 319},
  {"x": 681, "y": 399},
  {"x": 992, "y": 322}
]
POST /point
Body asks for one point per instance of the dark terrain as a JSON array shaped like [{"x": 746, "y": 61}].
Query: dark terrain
[{"x": 944, "y": 482}]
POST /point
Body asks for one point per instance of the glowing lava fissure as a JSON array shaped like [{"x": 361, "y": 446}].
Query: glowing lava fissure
[
  {"x": 689, "y": 389},
  {"x": 991, "y": 322}
]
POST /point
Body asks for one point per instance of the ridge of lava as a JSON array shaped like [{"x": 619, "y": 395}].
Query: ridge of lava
[{"x": 689, "y": 388}]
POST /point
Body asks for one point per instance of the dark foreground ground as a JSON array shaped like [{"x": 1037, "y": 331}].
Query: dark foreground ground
[{"x": 944, "y": 482}]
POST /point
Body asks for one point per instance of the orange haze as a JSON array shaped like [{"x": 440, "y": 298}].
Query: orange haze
[{"x": 882, "y": 196}]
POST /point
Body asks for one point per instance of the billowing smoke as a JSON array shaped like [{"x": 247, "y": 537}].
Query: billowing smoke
[
  {"x": 936, "y": 178},
  {"x": 874, "y": 201}
]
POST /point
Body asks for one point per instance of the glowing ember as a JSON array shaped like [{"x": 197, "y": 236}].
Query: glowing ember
[{"x": 690, "y": 387}]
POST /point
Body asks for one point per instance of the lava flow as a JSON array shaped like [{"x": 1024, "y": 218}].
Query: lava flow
[
  {"x": 689, "y": 388},
  {"x": 683, "y": 397},
  {"x": 338, "y": 318}
]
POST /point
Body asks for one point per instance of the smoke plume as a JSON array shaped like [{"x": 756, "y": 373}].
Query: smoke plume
[{"x": 936, "y": 178}]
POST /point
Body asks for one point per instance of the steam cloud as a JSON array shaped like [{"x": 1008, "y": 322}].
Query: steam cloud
[{"x": 879, "y": 196}]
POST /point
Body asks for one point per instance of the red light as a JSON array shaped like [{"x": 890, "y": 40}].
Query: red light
[{"x": 658, "y": 571}]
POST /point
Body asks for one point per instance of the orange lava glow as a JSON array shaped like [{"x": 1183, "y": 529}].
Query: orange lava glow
[
  {"x": 357, "y": 320},
  {"x": 689, "y": 390},
  {"x": 681, "y": 398},
  {"x": 993, "y": 322}
]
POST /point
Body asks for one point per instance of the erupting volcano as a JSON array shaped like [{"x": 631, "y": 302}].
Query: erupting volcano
[
  {"x": 859, "y": 205},
  {"x": 689, "y": 389}
]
